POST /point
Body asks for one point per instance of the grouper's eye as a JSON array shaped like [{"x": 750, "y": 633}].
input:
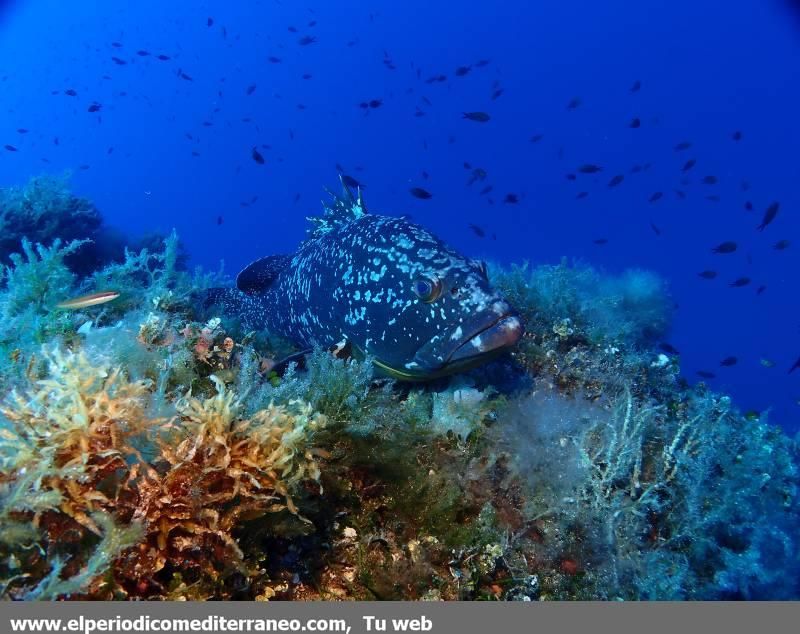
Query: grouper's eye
[{"x": 428, "y": 289}]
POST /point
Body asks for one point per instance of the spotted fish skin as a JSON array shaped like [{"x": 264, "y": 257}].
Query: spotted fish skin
[{"x": 361, "y": 277}]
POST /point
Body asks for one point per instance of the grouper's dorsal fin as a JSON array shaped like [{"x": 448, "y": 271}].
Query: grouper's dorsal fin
[
  {"x": 257, "y": 276},
  {"x": 339, "y": 211}
]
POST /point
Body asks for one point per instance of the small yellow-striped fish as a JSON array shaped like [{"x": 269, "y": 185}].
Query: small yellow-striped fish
[{"x": 92, "y": 299}]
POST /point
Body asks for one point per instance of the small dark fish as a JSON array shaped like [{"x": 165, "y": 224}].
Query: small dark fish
[
  {"x": 737, "y": 135},
  {"x": 184, "y": 76},
  {"x": 143, "y": 53},
  {"x": 485, "y": 190},
  {"x": 22, "y": 130},
  {"x": 110, "y": 150},
  {"x": 511, "y": 199},
  {"x": 462, "y": 70},
  {"x": 600, "y": 241},
  {"x": 655, "y": 229},
  {"x": 71, "y": 92},
  {"x": 210, "y": 22},
  {"x": 796, "y": 366},
  {"x": 257, "y": 157},
  {"x": 291, "y": 29},
  {"x": 707, "y": 275},
  {"x": 725, "y": 247},
  {"x": 94, "y": 107},
  {"x": 497, "y": 93},
  {"x": 116, "y": 44},
  {"x": 10, "y": 148},
  {"x": 769, "y": 216},
  {"x": 637, "y": 85},
  {"x": 740, "y": 282},
  {"x": 220, "y": 220},
  {"x": 760, "y": 289},
  {"x": 574, "y": 103},
  {"x": 709, "y": 180},
  {"x": 482, "y": 62},
  {"x": 480, "y": 117},
  {"x": 250, "y": 89},
  {"x": 478, "y": 174},
  {"x": 312, "y": 23},
  {"x": 683, "y": 145},
  {"x": 571, "y": 177},
  {"x": 636, "y": 169},
  {"x": 589, "y": 168},
  {"x": 477, "y": 231},
  {"x": 680, "y": 194},
  {"x": 536, "y": 138},
  {"x": 655, "y": 196},
  {"x": 306, "y": 40},
  {"x": 118, "y": 61},
  {"x": 307, "y": 75},
  {"x": 748, "y": 205},
  {"x": 351, "y": 182},
  {"x": 163, "y": 57},
  {"x": 728, "y": 362},
  {"x": 582, "y": 195},
  {"x": 420, "y": 193},
  {"x": 706, "y": 374},
  {"x": 274, "y": 60},
  {"x": 668, "y": 348},
  {"x": 780, "y": 245},
  {"x": 688, "y": 165},
  {"x": 616, "y": 180},
  {"x": 635, "y": 123},
  {"x": 375, "y": 103}
]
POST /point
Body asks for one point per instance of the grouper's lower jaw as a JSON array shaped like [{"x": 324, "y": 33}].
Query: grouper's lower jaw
[
  {"x": 482, "y": 347},
  {"x": 499, "y": 336}
]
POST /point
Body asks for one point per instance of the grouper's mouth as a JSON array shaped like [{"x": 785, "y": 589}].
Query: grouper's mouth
[
  {"x": 467, "y": 346},
  {"x": 494, "y": 338}
]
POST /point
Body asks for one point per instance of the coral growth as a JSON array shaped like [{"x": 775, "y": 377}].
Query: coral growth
[
  {"x": 42, "y": 211},
  {"x": 81, "y": 462}
]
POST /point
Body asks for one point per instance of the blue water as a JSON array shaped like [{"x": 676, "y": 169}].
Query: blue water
[{"x": 707, "y": 68}]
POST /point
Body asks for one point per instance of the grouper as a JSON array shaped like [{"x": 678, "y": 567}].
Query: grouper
[{"x": 383, "y": 286}]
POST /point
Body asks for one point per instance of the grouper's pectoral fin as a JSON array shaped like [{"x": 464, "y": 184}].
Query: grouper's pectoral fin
[
  {"x": 257, "y": 276},
  {"x": 342, "y": 350},
  {"x": 298, "y": 358}
]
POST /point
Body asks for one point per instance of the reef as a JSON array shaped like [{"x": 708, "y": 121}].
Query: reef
[
  {"x": 148, "y": 450},
  {"x": 45, "y": 209}
]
